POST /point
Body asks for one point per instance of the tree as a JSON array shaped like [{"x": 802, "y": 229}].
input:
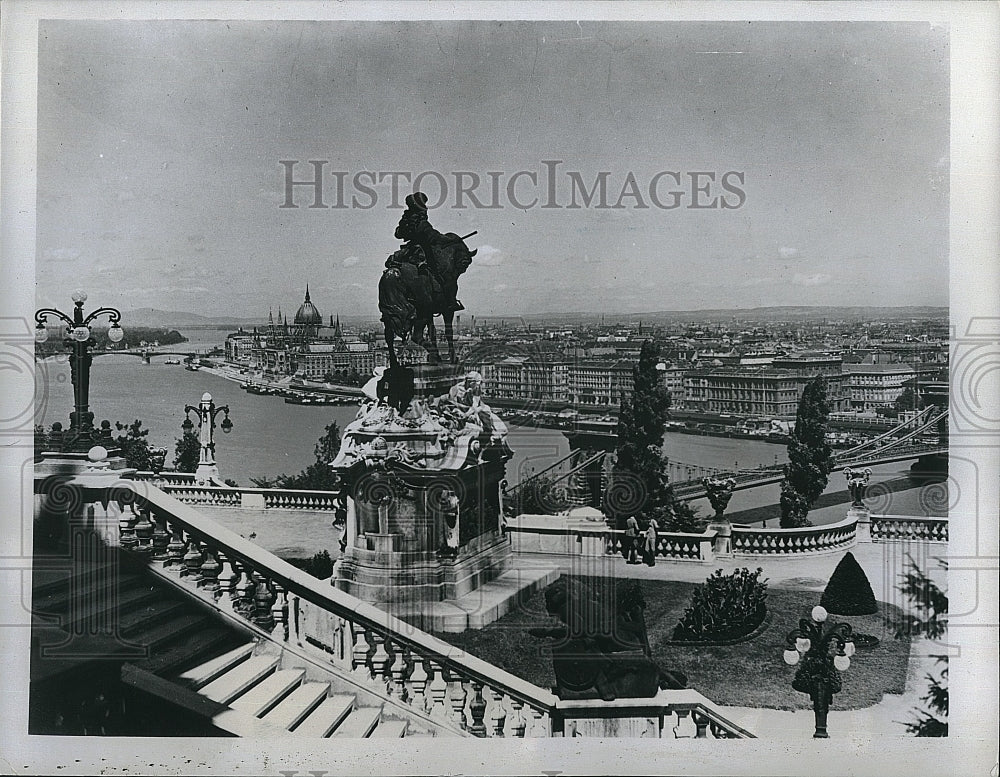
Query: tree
[
  {"x": 928, "y": 617},
  {"x": 907, "y": 400},
  {"x": 849, "y": 592},
  {"x": 134, "y": 446},
  {"x": 187, "y": 452},
  {"x": 810, "y": 458},
  {"x": 639, "y": 485}
]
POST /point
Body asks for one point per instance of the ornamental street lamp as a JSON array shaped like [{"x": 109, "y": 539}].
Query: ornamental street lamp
[
  {"x": 206, "y": 411},
  {"x": 825, "y": 650},
  {"x": 80, "y": 435}
]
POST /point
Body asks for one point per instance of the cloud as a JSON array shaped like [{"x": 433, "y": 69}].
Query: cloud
[
  {"x": 350, "y": 261},
  {"x": 789, "y": 253},
  {"x": 500, "y": 287},
  {"x": 62, "y": 254},
  {"x": 489, "y": 256},
  {"x": 816, "y": 279}
]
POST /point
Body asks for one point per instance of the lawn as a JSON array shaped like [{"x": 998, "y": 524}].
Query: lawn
[{"x": 749, "y": 674}]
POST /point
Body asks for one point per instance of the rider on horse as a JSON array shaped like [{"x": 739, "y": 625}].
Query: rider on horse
[{"x": 420, "y": 247}]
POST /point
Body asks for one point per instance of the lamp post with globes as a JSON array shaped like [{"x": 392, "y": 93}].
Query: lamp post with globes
[
  {"x": 822, "y": 650},
  {"x": 206, "y": 412},
  {"x": 81, "y": 421}
]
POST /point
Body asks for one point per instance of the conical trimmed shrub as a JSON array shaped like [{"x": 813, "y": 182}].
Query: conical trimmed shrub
[{"x": 849, "y": 592}]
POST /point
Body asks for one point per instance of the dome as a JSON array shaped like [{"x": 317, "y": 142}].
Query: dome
[{"x": 307, "y": 313}]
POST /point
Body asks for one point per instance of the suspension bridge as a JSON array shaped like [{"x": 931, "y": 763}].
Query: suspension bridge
[{"x": 581, "y": 477}]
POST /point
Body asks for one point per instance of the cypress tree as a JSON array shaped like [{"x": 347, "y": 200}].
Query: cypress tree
[
  {"x": 810, "y": 458},
  {"x": 849, "y": 592},
  {"x": 640, "y": 465}
]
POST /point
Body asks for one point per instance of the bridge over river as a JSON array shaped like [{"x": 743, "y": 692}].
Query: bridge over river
[{"x": 581, "y": 477}]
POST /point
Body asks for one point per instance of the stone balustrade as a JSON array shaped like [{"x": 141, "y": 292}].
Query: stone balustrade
[
  {"x": 810, "y": 540},
  {"x": 190, "y": 492},
  {"x": 410, "y": 669},
  {"x": 166, "y": 478},
  {"x": 676, "y": 546},
  {"x": 887, "y": 528}
]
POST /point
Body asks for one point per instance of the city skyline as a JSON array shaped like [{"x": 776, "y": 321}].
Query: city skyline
[{"x": 160, "y": 175}]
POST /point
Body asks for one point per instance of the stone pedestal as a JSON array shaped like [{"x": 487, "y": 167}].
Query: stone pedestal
[
  {"x": 723, "y": 536},
  {"x": 863, "y": 517},
  {"x": 416, "y": 480}
]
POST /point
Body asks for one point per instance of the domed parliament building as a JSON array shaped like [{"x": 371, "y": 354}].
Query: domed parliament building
[{"x": 305, "y": 347}]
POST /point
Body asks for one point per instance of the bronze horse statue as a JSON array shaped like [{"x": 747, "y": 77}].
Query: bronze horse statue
[{"x": 420, "y": 281}]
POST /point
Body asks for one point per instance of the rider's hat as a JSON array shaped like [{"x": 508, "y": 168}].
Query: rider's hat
[{"x": 416, "y": 201}]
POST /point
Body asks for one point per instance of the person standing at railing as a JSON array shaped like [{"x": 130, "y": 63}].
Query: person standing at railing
[
  {"x": 649, "y": 554},
  {"x": 631, "y": 548}
]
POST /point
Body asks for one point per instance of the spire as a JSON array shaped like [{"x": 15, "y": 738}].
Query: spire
[{"x": 307, "y": 292}]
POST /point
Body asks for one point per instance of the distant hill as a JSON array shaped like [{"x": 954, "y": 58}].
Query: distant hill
[
  {"x": 777, "y": 313},
  {"x": 173, "y": 318}
]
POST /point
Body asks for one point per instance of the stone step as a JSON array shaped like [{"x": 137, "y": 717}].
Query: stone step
[
  {"x": 107, "y": 606},
  {"x": 326, "y": 717},
  {"x": 268, "y": 692},
  {"x": 83, "y": 586},
  {"x": 49, "y": 581},
  {"x": 192, "y": 649},
  {"x": 239, "y": 679},
  {"x": 209, "y": 670},
  {"x": 293, "y": 709},
  {"x": 359, "y": 723},
  {"x": 390, "y": 729},
  {"x": 162, "y": 634},
  {"x": 149, "y": 614}
]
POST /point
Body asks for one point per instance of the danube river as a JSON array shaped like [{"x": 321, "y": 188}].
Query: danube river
[{"x": 270, "y": 437}]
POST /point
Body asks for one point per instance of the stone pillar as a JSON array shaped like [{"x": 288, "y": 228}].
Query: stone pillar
[{"x": 864, "y": 530}]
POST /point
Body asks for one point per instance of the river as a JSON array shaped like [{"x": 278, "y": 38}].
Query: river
[{"x": 270, "y": 437}]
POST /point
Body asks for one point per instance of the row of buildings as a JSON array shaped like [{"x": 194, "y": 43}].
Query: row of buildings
[
  {"x": 769, "y": 387},
  {"x": 703, "y": 374}
]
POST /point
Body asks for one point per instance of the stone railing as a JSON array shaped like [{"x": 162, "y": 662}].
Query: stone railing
[
  {"x": 411, "y": 669},
  {"x": 887, "y": 528},
  {"x": 676, "y": 546},
  {"x": 254, "y": 498},
  {"x": 560, "y": 535},
  {"x": 166, "y": 478},
  {"x": 810, "y": 540}
]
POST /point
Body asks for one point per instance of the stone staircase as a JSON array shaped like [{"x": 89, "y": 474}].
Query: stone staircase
[
  {"x": 109, "y": 632},
  {"x": 264, "y": 698}
]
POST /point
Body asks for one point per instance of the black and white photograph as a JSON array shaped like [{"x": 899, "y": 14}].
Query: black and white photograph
[{"x": 506, "y": 371}]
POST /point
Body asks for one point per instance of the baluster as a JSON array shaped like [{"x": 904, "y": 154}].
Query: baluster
[
  {"x": 439, "y": 689},
  {"x": 263, "y": 599},
  {"x": 477, "y": 708},
  {"x": 398, "y": 673},
  {"x": 418, "y": 684},
  {"x": 379, "y": 659},
  {"x": 279, "y": 613},
  {"x": 539, "y": 727},
  {"x": 701, "y": 724},
  {"x": 359, "y": 654},
  {"x": 458, "y": 697},
  {"x": 517, "y": 722},
  {"x": 498, "y": 714},
  {"x": 161, "y": 537},
  {"x": 144, "y": 534},
  {"x": 126, "y": 529},
  {"x": 210, "y": 569},
  {"x": 227, "y": 581},
  {"x": 175, "y": 548},
  {"x": 242, "y": 590},
  {"x": 192, "y": 561}
]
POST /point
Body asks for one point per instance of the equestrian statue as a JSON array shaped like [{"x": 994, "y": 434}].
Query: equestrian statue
[{"x": 420, "y": 281}]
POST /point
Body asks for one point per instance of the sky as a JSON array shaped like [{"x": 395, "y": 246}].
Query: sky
[{"x": 160, "y": 148}]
